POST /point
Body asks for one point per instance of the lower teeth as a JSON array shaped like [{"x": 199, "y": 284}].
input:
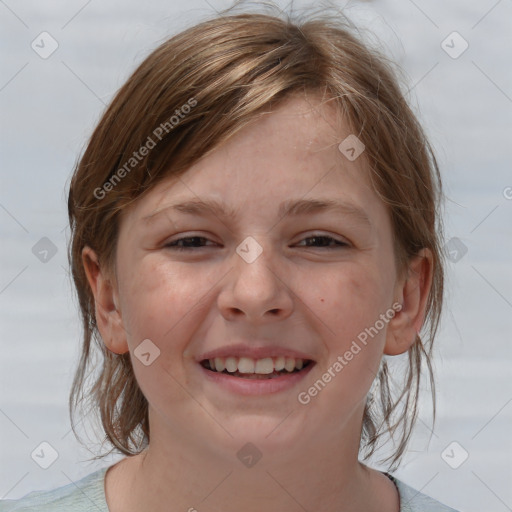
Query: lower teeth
[{"x": 272, "y": 375}]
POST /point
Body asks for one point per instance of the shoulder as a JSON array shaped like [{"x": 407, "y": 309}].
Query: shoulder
[
  {"x": 82, "y": 496},
  {"x": 414, "y": 501}
]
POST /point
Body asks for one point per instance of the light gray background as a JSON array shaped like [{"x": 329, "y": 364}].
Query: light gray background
[{"x": 50, "y": 106}]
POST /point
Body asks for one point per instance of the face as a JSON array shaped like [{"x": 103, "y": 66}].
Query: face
[{"x": 213, "y": 303}]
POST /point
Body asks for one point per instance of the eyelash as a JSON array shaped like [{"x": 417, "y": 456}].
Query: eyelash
[{"x": 173, "y": 245}]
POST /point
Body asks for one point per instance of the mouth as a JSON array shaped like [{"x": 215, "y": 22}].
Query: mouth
[{"x": 265, "y": 368}]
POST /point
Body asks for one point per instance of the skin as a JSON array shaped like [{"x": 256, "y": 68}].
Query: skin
[{"x": 298, "y": 293}]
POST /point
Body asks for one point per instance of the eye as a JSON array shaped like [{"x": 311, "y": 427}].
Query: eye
[
  {"x": 195, "y": 242},
  {"x": 324, "y": 241},
  {"x": 187, "y": 243}
]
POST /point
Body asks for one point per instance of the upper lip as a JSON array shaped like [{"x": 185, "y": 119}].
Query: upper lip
[{"x": 252, "y": 351}]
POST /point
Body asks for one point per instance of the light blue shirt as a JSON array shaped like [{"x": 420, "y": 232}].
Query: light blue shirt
[{"x": 88, "y": 495}]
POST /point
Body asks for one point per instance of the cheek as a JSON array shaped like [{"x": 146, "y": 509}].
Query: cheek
[
  {"x": 349, "y": 300},
  {"x": 159, "y": 297},
  {"x": 164, "y": 304},
  {"x": 349, "y": 305}
]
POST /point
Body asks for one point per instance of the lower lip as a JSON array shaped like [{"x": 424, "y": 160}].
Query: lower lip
[{"x": 243, "y": 386}]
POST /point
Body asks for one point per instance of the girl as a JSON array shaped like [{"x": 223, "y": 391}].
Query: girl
[{"x": 254, "y": 231}]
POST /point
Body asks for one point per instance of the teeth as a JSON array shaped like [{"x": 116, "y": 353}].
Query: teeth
[
  {"x": 264, "y": 366},
  {"x": 231, "y": 365},
  {"x": 246, "y": 365},
  {"x": 219, "y": 364},
  {"x": 279, "y": 364},
  {"x": 289, "y": 364}
]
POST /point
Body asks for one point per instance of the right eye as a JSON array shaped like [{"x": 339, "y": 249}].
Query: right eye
[{"x": 187, "y": 243}]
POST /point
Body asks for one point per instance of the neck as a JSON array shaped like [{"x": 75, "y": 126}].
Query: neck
[{"x": 326, "y": 475}]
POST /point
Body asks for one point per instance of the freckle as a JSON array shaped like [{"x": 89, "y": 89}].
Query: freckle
[{"x": 322, "y": 300}]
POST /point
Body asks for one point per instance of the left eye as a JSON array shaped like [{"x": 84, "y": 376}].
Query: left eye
[{"x": 324, "y": 241}]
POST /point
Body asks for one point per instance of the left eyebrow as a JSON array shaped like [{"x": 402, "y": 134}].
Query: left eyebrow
[
  {"x": 292, "y": 207},
  {"x": 305, "y": 206}
]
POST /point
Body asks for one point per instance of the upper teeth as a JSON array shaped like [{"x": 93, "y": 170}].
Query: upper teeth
[{"x": 263, "y": 366}]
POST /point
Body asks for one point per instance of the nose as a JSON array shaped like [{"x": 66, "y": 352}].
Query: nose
[{"x": 256, "y": 291}]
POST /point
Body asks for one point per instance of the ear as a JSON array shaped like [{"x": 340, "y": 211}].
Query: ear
[
  {"x": 412, "y": 292},
  {"x": 108, "y": 314}
]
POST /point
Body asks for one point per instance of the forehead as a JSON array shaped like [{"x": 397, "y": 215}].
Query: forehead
[{"x": 290, "y": 152}]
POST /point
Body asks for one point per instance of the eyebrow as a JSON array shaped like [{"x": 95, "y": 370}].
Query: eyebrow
[{"x": 292, "y": 207}]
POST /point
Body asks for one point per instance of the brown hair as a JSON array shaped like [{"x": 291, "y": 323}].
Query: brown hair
[{"x": 190, "y": 95}]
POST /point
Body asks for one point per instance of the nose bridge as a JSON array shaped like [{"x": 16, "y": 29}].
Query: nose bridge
[
  {"x": 253, "y": 269},
  {"x": 255, "y": 289}
]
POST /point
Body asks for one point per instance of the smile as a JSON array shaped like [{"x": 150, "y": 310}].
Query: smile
[{"x": 248, "y": 368}]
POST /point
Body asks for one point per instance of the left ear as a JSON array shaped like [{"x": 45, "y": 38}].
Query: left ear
[{"x": 412, "y": 292}]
